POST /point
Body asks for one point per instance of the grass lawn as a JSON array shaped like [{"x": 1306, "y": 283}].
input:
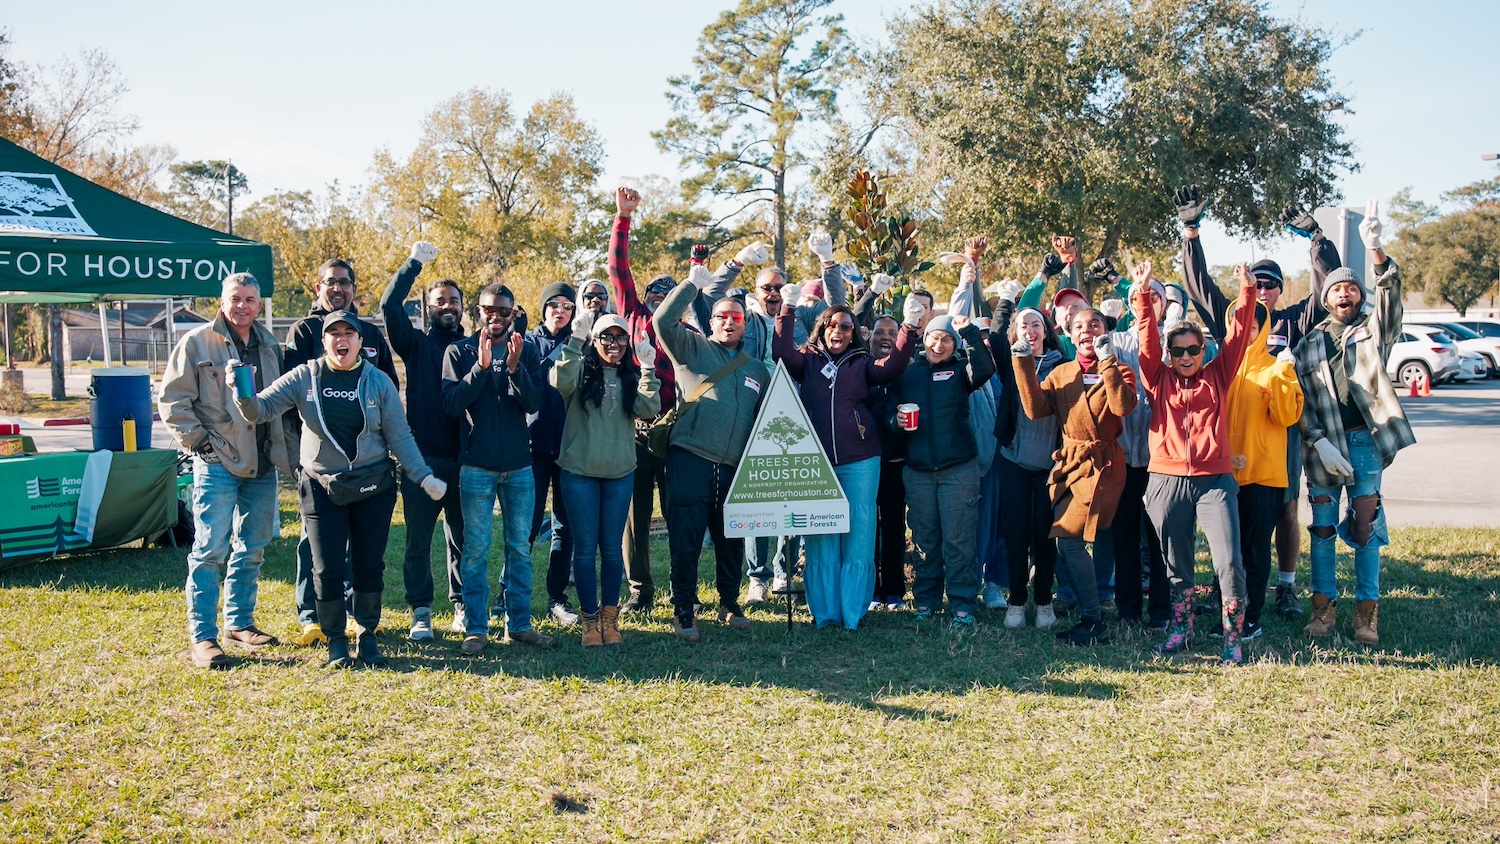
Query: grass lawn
[{"x": 898, "y": 732}]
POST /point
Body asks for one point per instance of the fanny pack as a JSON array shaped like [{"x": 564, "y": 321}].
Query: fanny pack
[
  {"x": 358, "y": 484},
  {"x": 659, "y": 435}
]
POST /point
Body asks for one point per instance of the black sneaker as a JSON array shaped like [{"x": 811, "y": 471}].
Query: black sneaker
[
  {"x": 1158, "y": 625},
  {"x": 1087, "y": 632},
  {"x": 1288, "y": 605},
  {"x": 1251, "y": 631}
]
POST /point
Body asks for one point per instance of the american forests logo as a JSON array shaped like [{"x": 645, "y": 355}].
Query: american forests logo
[
  {"x": 39, "y": 489},
  {"x": 36, "y": 202}
]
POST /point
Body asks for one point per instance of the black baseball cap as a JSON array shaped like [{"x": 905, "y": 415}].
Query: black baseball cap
[{"x": 336, "y": 317}]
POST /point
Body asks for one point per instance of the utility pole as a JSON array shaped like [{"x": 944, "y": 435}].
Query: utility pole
[{"x": 229, "y": 192}]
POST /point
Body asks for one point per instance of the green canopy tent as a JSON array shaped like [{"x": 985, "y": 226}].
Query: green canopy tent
[{"x": 66, "y": 239}]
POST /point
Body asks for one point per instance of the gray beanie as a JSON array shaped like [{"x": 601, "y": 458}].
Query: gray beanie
[
  {"x": 1343, "y": 274},
  {"x": 942, "y": 322}
]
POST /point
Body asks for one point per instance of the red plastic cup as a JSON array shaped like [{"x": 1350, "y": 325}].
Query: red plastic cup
[{"x": 907, "y": 416}]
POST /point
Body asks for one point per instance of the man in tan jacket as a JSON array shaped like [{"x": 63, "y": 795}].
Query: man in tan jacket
[{"x": 234, "y": 467}]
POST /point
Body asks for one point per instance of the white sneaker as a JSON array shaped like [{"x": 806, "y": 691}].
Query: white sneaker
[
  {"x": 1015, "y": 617},
  {"x": 778, "y": 584},
  {"x": 875, "y": 606},
  {"x": 1045, "y": 617},
  {"x": 994, "y": 596},
  {"x": 563, "y": 614},
  {"x": 758, "y": 593},
  {"x": 421, "y": 624},
  {"x": 459, "y": 625}
]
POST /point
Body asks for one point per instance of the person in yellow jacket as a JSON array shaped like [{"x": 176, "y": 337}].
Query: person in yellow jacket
[{"x": 1265, "y": 399}]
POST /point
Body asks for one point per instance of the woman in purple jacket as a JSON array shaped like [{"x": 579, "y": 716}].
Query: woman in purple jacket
[{"x": 835, "y": 372}]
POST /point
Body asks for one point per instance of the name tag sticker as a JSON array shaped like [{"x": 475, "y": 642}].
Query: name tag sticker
[
  {"x": 1091, "y": 378},
  {"x": 943, "y": 375},
  {"x": 752, "y": 384},
  {"x": 309, "y": 394},
  {"x": 828, "y": 370},
  {"x": 1361, "y": 333},
  {"x": 1276, "y": 340},
  {"x": 370, "y": 352}
]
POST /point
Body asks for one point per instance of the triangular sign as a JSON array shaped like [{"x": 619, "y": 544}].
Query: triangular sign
[{"x": 785, "y": 484}]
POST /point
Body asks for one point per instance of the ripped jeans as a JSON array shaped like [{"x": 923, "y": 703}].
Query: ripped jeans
[{"x": 1368, "y": 467}]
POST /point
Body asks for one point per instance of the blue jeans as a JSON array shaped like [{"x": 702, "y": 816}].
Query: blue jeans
[
  {"x": 840, "y": 572},
  {"x": 477, "y": 490},
  {"x": 1368, "y": 467},
  {"x": 234, "y": 518},
  {"x": 597, "y": 509}
]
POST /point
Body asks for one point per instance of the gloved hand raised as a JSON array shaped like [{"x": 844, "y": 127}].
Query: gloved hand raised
[
  {"x": 790, "y": 294},
  {"x": 700, "y": 276},
  {"x": 755, "y": 253},
  {"x": 820, "y": 244},
  {"x": 1021, "y": 348},
  {"x": 1051, "y": 265},
  {"x": 435, "y": 487},
  {"x": 583, "y": 318},
  {"x": 1104, "y": 272},
  {"x": 1299, "y": 222},
  {"x": 699, "y": 254},
  {"x": 423, "y": 252},
  {"x": 1190, "y": 205},
  {"x": 1103, "y": 349},
  {"x": 912, "y": 311},
  {"x": 1011, "y": 290},
  {"x": 645, "y": 351},
  {"x": 881, "y": 283},
  {"x": 1333, "y": 460},
  {"x": 1370, "y": 228},
  {"x": 1114, "y": 308}
]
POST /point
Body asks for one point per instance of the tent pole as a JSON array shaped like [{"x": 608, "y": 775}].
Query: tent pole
[
  {"x": 104, "y": 333},
  {"x": 171, "y": 325}
]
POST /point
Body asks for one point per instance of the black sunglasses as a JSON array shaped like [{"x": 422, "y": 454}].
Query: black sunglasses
[
  {"x": 1179, "y": 351},
  {"x": 501, "y": 312},
  {"x": 596, "y": 295},
  {"x": 1268, "y": 285}
]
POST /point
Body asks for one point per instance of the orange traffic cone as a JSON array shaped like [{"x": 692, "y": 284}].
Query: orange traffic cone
[
  {"x": 1426, "y": 386},
  {"x": 1416, "y": 388}
]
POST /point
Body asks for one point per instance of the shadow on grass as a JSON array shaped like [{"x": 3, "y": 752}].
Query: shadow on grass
[{"x": 1440, "y": 605}]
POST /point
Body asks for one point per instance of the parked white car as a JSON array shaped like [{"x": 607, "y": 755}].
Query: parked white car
[
  {"x": 1471, "y": 366},
  {"x": 1472, "y": 341},
  {"x": 1422, "y": 352}
]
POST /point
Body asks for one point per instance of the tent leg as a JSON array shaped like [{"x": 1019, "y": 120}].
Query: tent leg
[{"x": 104, "y": 332}]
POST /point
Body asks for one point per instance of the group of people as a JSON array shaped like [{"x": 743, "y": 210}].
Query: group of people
[{"x": 1002, "y": 435}]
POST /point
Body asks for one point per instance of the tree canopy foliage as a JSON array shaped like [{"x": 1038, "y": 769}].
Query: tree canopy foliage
[{"x": 1451, "y": 257}]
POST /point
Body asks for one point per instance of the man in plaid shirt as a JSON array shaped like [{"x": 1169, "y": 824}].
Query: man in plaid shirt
[{"x": 1352, "y": 427}]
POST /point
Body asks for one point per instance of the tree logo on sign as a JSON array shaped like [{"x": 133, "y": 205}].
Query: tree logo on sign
[
  {"x": 37, "y": 202},
  {"x": 783, "y": 432}
]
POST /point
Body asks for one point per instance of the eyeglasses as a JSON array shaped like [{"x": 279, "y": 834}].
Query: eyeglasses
[
  {"x": 772, "y": 288},
  {"x": 730, "y": 316},
  {"x": 339, "y": 282},
  {"x": 1267, "y": 285},
  {"x": 611, "y": 339},
  {"x": 596, "y": 295},
  {"x": 1178, "y": 351},
  {"x": 841, "y": 326},
  {"x": 561, "y": 304},
  {"x": 501, "y": 312}
]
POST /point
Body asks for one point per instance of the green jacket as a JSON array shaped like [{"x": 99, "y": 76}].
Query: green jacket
[
  {"x": 717, "y": 426},
  {"x": 599, "y": 442}
]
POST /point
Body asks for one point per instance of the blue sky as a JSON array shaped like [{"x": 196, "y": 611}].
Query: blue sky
[{"x": 299, "y": 94}]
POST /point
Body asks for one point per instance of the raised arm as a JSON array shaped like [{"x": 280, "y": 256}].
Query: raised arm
[
  {"x": 621, "y": 282},
  {"x": 403, "y": 336},
  {"x": 981, "y": 365},
  {"x": 680, "y": 343},
  {"x": 1241, "y": 329},
  {"x": 1036, "y": 399},
  {"x": 784, "y": 346},
  {"x": 568, "y": 370},
  {"x": 889, "y": 368},
  {"x": 273, "y": 401},
  {"x": 1150, "y": 337}
]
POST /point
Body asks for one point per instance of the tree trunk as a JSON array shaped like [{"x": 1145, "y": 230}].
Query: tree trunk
[
  {"x": 59, "y": 387},
  {"x": 779, "y": 224}
]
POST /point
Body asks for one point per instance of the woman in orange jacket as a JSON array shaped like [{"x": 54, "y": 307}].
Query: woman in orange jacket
[
  {"x": 1191, "y": 481},
  {"x": 1265, "y": 399}
]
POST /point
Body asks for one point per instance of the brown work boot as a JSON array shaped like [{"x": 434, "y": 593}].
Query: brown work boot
[
  {"x": 251, "y": 638},
  {"x": 592, "y": 638},
  {"x": 1366, "y": 618},
  {"x": 528, "y": 637},
  {"x": 609, "y": 625},
  {"x": 207, "y": 654},
  {"x": 1324, "y": 616}
]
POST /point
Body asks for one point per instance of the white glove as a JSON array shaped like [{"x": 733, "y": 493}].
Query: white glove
[
  {"x": 583, "y": 323},
  {"x": 423, "y": 252},
  {"x": 755, "y": 253},
  {"x": 881, "y": 283},
  {"x": 435, "y": 487},
  {"x": 821, "y": 245},
  {"x": 1102, "y": 348},
  {"x": 983, "y": 322},
  {"x": 1021, "y": 348},
  {"x": 1333, "y": 461},
  {"x": 645, "y": 351},
  {"x": 1287, "y": 357},
  {"x": 1113, "y": 308},
  {"x": 1175, "y": 314},
  {"x": 700, "y": 277},
  {"x": 955, "y": 258},
  {"x": 791, "y": 293},
  {"x": 1370, "y": 228},
  {"x": 912, "y": 311},
  {"x": 1010, "y": 290}
]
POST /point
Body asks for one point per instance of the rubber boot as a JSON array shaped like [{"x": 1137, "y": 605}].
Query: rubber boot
[
  {"x": 1366, "y": 622},
  {"x": 592, "y": 638},
  {"x": 1234, "y": 628},
  {"x": 366, "y": 619},
  {"x": 332, "y": 617},
  {"x": 1180, "y": 634},
  {"x": 609, "y": 625}
]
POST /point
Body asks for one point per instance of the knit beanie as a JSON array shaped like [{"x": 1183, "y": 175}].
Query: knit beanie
[
  {"x": 557, "y": 288},
  {"x": 1339, "y": 275},
  {"x": 942, "y": 322}
]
